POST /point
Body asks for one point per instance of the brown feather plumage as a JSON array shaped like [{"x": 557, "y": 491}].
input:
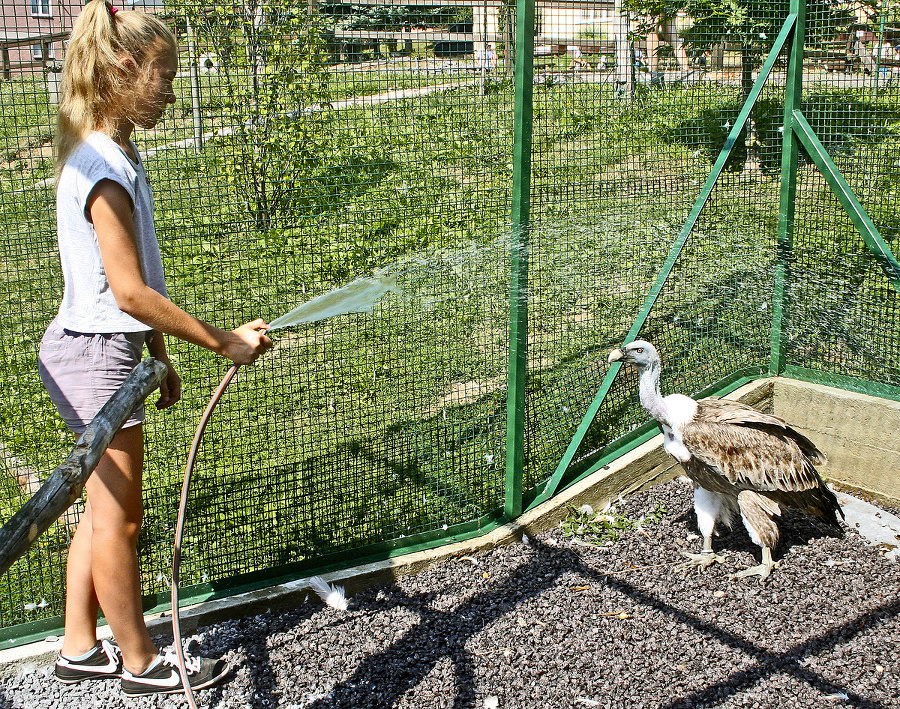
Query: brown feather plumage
[
  {"x": 734, "y": 412},
  {"x": 736, "y": 447},
  {"x": 737, "y": 457}
]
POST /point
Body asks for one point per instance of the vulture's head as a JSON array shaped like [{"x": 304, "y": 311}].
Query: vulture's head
[{"x": 639, "y": 353}]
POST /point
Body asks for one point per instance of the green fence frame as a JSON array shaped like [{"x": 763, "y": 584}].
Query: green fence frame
[{"x": 518, "y": 292}]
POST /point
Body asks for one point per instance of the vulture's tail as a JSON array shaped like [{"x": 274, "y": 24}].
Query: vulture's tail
[
  {"x": 824, "y": 504},
  {"x": 818, "y": 501}
]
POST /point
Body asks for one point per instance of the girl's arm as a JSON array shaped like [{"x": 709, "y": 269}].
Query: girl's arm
[{"x": 110, "y": 208}]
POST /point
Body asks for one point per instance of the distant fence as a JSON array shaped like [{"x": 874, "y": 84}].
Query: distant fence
[{"x": 13, "y": 40}]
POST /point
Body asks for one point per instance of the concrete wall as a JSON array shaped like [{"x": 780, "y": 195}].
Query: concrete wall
[{"x": 860, "y": 434}]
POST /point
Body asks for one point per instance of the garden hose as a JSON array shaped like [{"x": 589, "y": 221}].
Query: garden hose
[
  {"x": 179, "y": 532},
  {"x": 358, "y": 296}
]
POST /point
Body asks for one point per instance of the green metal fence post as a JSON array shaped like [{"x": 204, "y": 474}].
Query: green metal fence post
[
  {"x": 789, "y": 150},
  {"x": 518, "y": 296}
]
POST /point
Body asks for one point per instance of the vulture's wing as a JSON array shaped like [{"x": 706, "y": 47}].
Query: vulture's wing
[
  {"x": 738, "y": 414},
  {"x": 751, "y": 449}
]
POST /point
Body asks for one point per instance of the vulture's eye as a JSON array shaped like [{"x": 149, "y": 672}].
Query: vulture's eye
[{"x": 639, "y": 350}]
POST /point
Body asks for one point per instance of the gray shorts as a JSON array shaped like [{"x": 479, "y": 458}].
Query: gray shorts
[{"x": 82, "y": 370}]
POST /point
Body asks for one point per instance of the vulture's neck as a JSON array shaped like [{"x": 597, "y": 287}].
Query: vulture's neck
[{"x": 651, "y": 398}]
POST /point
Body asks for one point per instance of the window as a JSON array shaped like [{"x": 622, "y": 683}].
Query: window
[
  {"x": 41, "y": 8},
  {"x": 37, "y": 52}
]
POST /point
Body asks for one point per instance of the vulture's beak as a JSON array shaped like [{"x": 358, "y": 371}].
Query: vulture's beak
[{"x": 616, "y": 356}]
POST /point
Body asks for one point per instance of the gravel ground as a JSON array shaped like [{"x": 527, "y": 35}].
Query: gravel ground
[{"x": 552, "y": 623}]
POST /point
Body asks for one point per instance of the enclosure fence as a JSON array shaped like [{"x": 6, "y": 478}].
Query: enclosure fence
[{"x": 544, "y": 179}]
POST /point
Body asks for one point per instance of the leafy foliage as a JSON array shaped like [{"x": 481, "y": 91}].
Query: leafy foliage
[
  {"x": 752, "y": 24},
  {"x": 605, "y": 526},
  {"x": 274, "y": 93}
]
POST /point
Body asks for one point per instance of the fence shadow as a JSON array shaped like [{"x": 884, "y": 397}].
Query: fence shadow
[{"x": 389, "y": 674}]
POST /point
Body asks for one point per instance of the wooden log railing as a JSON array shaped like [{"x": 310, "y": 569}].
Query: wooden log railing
[{"x": 66, "y": 482}]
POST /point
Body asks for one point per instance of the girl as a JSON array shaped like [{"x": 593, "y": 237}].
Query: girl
[{"x": 117, "y": 75}]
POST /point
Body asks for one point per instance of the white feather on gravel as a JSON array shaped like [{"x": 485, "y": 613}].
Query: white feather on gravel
[{"x": 332, "y": 595}]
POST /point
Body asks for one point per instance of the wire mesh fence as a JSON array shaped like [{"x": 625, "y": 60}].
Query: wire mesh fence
[{"x": 312, "y": 143}]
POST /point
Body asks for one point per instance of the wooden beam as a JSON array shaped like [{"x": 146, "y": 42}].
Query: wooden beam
[
  {"x": 66, "y": 482},
  {"x": 416, "y": 36},
  {"x": 24, "y": 39}
]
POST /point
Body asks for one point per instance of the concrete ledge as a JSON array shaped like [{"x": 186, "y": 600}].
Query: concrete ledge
[{"x": 858, "y": 433}]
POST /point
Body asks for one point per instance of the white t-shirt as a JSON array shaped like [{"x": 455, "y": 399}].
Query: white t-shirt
[{"x": 88, "y": 304}]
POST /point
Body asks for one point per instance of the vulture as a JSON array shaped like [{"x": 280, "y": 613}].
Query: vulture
[{"x": 740, "y": 460}]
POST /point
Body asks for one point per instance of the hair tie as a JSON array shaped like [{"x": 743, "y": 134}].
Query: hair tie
[{"x": 113, "y": 10}]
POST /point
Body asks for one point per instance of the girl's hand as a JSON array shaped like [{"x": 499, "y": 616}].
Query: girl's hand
[
  {"x": 246, "y": 343},
  {"x": 169, "y": 388}
]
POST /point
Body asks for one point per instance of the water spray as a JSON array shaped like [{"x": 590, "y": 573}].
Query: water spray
[{"x": 359, "y": 296}]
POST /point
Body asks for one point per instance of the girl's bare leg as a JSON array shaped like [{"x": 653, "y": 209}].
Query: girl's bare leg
[
  {"x": 106, "y": 544},
  {"x": 81, "y": 600}
]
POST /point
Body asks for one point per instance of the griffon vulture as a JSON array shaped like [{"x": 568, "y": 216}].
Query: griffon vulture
[{"x": 739, "y": 459}]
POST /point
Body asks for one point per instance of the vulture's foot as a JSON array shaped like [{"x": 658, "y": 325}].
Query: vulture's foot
[
  {"x": 762, "y": 570},
  {"x": 700, "y": 561}
]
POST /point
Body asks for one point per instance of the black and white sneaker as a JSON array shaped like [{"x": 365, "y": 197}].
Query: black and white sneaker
[
  {"x": 103, "y": 662},
  {"x": 162, "y": 677}
]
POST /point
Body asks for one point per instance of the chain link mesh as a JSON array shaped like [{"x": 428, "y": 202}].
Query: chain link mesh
[{"x": 314, "y": 143}]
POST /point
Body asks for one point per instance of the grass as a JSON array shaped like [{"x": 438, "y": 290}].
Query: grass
[
  {"x": 26, "y": 128},
  {"x": 366, "y": 429}
]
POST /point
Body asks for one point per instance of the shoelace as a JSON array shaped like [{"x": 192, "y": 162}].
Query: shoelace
[
  {"x": 111, "y": 650},
  {"x": 191, "y": 664}
]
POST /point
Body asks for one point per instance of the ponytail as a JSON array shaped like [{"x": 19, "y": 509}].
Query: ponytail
[{"x": 95, "y": 79}]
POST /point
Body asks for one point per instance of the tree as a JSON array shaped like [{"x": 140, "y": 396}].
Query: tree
[
  {"x": 751, "y": 25},
  {"x": 273, "y": 85}
]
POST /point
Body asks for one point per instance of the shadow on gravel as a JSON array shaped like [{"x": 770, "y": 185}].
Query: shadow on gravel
[
  {"x": 788, "y": 662},
  {"x": 796, "y": 529},
  {"x": 770, "y": 663},
  {"x": 393, "y": 672}
]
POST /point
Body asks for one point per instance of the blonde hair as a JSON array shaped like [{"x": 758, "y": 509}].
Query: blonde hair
[{"x": 96, "y": 79}]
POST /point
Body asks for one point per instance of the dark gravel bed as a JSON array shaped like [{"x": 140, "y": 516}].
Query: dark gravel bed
[{"x": 553, "y": 623}]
